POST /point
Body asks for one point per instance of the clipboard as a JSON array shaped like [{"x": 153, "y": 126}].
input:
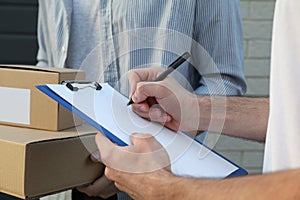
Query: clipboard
[{"x": 111, "y": 116}]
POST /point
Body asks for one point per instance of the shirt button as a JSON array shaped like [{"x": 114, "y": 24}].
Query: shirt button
[{"x": 63, "y": 49}]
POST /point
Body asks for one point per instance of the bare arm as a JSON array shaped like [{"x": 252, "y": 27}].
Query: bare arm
[
  {"x": 245, "y": 117},
  {"x": 163, "y": 185},
  {"x": 179, "y": 109},
  {"x": 134, "y": 177},
  {"x": 281, "y": 185}
]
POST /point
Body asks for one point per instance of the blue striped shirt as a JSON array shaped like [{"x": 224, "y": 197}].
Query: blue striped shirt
[{"x": 139, "y": 33}]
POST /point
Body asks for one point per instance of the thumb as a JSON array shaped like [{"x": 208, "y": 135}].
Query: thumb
[
  {"x": 139, "y": 138},
  {"x": 145, "y": 141},
  {"x": 105, "y": 147}
]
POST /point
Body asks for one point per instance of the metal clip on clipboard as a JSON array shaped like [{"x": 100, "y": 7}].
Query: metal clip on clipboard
[{"x": 77, "y": 85}]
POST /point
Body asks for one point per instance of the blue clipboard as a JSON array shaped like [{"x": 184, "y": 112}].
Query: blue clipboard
[{"x": 45, "y": 89}]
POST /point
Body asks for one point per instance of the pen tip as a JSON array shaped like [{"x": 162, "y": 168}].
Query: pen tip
[{"x": 130, "y": 102}]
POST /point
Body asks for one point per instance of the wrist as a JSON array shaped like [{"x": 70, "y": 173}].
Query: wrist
[
  {"x": 190, "y": 114},
  {"x": 204, "y": 105}
]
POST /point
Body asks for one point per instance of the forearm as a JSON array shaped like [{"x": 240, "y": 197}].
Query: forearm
[
  {"x": 281, "y": 185},
  {"x": 240, "y": 116}
]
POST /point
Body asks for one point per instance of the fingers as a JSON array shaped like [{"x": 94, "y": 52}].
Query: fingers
[
  {"x": 111, "y": 155},
  {"x": 141, "y": 108},
  {"x": 95, "y": 157},
  {"x": 101, "y": 187},
  {"x": 123, "y": 181},
  {"x": 155, "y": 113},
  {"x": 114, "y": 175},
  {"x": 138, "y": 75},
  {"x": 145, "y": 155},
  {"x": 134, "y": 77},
  {"x": 128, "y": 190},
  {"x": 154, "y": 156},
  {"x": 140, "y": 139},
  {"x": 145, "y": 143},
  {"x": 149, "y": 89},
  {"x": 156, "y": 90},
  {"x": 106, "y": 148}
]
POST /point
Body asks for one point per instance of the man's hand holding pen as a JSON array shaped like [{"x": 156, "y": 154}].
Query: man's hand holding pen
[
  {"x": 164, "y": 74},
  {"x": 176, "y": 107}
]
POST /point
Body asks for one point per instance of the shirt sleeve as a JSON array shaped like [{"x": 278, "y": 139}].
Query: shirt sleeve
[
  {"x": 218, "y": 30},
  {"x": 41, "y": 54}
]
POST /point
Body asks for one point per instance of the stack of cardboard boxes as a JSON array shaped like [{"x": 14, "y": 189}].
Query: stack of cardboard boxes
[{"x": 44, "y": 149}]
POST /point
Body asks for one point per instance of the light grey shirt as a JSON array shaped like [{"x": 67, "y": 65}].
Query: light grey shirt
[
  {"x": 118, "y": 35},
  {"x": 84, "y": 32}
]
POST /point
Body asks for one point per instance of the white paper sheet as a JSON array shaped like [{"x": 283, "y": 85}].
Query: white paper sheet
[{"x": 108, "y": 108}]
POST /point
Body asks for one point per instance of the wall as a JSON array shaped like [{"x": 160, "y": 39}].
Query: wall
[
  {"x": 18, "y": 31},
  {"x": 257, "y": 25}
]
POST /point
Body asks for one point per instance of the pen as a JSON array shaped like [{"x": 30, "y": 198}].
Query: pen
[{"x": 169, "y": 70}]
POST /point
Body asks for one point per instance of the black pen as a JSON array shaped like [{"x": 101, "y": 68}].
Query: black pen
[{"x": 170, "y": 69}]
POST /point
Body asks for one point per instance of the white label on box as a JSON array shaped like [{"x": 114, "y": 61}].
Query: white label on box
[{"x": 15, "y": 105}]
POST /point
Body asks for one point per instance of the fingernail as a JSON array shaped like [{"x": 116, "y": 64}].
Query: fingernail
[
  {"x": 142, "y": 108},
  {"x": 156, "y": 113},
  {"x": 169, "y": 118},
  {"x": 134, "y": 98},
  {"x": 96, "y": 155}
]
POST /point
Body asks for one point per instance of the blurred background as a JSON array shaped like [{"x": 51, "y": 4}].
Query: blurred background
[
  {"x": 18, "y": 42},
  {"x": 18, "y": 45}
]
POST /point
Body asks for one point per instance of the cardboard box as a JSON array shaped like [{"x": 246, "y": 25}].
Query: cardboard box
[
  {"x": 35, "y": 162},
  {"x": 22, "y": 104}
]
